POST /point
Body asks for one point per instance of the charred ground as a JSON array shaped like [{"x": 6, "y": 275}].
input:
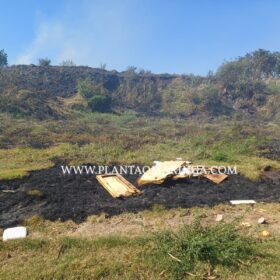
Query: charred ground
[{"x": 75, "y": 197}]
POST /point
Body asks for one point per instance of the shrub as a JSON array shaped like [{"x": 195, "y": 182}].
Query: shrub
[
  {"x": 44, "y": 62},
  {"x": 86, "y": 88},
  {"x": 96, "y": 101},
  {"x": 3, "y": 59},
  {"x": 194, "y": 246},
  {"x": 99, "y": 103},
  {"x": 67, "y": 63}
]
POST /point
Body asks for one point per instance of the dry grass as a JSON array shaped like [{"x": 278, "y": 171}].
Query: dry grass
[{"x": 34, "y": 192}]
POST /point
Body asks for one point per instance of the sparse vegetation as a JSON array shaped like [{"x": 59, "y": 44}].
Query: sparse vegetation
[
  {"x": 67, "y": 63},
  {"x": 222, "y": 143},
  {"x": 235, "y": 90},
  {"x": 44, "y": 61},
  {"x": 3, "y": 59},
  {"x": 97, "y": 102}
]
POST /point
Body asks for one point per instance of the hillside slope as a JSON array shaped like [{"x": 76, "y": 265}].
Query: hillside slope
[{"x": 51, "y": 91}]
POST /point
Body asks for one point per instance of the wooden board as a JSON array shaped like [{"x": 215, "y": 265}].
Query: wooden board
[
  {"x": 237, "y": 202},
  {"x": 216, "y": 178},
  {"x": 158, "y": 173},
  {"x": 116, "y": 185}
]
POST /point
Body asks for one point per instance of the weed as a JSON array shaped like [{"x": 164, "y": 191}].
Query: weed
[{"x": 194, "y": 246}]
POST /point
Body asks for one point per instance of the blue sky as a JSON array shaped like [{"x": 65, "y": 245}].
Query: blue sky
[{"x": 175, "y": 36}]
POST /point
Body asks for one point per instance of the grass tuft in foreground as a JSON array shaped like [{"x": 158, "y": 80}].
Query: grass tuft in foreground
[{"x": 195, "y": 248}]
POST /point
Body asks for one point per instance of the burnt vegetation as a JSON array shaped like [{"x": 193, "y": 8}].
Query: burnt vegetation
[{"x": 248, "y": 85}]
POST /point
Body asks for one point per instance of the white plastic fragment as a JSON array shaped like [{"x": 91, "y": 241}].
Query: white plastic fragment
[
  {"x": 219, "y": 217},
  {"x": 235, "y": 202},
  {"x": 14, "y": 233},
  {"x": 261, "y": 220},
  {"x": 185, "y": 171}
]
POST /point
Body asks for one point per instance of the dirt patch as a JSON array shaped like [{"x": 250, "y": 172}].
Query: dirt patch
[
  {"x": 269, "y": 174},
  {"x": 271, "y": 150},
  {"x": 76, "y": 197}
]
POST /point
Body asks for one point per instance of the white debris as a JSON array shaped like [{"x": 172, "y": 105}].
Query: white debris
[
  {"x": 219, "y": 218},
  {"x": 261, "y": 220},
  {"x": 186, "y": 171},
  {"x": 235, "y": 202},
  {"x": 14, "y": 233}
]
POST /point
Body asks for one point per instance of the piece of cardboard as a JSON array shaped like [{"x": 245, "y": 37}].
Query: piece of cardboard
[
  {"x": 159, "y": 172},
  {"x": 216, "y": 178}
]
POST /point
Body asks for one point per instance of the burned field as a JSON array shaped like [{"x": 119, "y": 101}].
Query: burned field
[{"x": 52, "y": 195}]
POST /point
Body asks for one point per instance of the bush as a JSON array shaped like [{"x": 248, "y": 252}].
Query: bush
[
  {"x": 99, "y": 103},
  {"x": 44, "y": 62},
  {"x": 212, "y": 101},
  {"x": 86, "y": 88},
  {"x": 196, "y": 246},
  {"x": 96, "y": 101}
]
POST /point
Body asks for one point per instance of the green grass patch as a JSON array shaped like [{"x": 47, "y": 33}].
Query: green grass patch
[
  {"x": 219, "y": 251},
  {"x": 128, "y": 139},
  {"x": 195, "y": 248}
]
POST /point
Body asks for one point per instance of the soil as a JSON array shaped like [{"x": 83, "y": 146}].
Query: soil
[
  {"x": 271, "y": 150},
  {"x": 75, "y": 197}
]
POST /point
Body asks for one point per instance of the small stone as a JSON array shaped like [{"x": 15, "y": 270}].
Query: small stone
[
  {"x": 261, "y": 220},
  {"x": 219, "y": 218},
  {"x": 265, "y": 233}
]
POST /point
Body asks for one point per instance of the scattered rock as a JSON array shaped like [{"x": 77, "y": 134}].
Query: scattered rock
[
  {"x": 219, "y": 218},
  {"x": 14, "y": 233},
  {"x": 265, "y": 233},
  {"x": 261, "y": 220}
]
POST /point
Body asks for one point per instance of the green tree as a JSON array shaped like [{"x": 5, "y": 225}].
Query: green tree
[
  {"x": 264, "y": 63},
  {"x": 231, "y": 73},
  {"x": 3, "y": 59},
  {"x": 44, "y": 62}
]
